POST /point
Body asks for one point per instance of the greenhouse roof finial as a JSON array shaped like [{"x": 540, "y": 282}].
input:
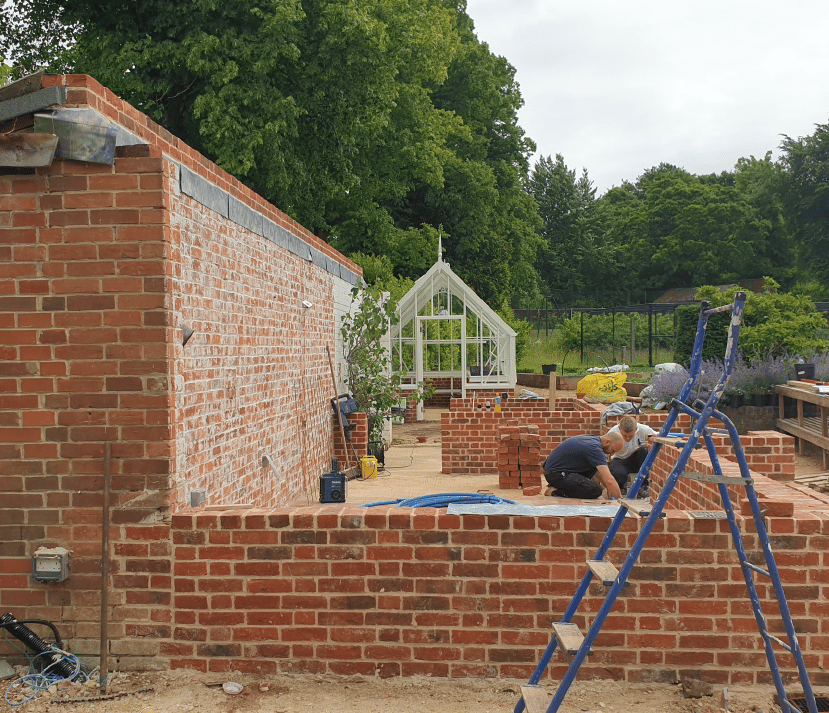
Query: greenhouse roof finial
[{"x": 440, "y": 247}]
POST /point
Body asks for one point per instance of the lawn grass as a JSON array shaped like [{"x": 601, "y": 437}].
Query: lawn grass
[{"x": 541, "y": 349}]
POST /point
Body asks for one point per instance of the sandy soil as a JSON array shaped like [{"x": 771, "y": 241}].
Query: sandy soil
[{"x": 183, "y": 692}]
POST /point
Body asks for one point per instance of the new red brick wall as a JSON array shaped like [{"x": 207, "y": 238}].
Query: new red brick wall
[
  {"x": 776, "y": 448},
  {"x": 470, "y": 436},
  {"x": 395, "y": 591}
]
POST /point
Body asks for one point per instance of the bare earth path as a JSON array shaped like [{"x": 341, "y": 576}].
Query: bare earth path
[{"x": 189, "y": 692}]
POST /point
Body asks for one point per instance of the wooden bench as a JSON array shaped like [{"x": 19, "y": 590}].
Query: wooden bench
[{"x": 805, "y": 428}]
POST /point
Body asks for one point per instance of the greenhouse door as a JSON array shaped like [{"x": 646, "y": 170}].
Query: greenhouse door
[{"x": 440, "y": 347}]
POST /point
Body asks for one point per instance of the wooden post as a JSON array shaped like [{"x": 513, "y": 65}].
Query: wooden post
[
  {"x": 337, "y": 406},
  {"x": 104, "y": 667},
  {"x": 553, "y": 388}
]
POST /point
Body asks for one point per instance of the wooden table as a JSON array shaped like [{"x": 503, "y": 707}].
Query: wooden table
[{"x": 805, "y": 428}]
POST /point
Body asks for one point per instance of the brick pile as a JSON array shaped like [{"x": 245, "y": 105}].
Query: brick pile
[{"x": 519, "y": 456}]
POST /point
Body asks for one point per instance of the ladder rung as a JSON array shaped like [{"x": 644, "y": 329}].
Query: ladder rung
[
  {"x": 716, "y": 478},
  {"x": 605, "y": 571},
  {"x": 536, "y": 699},
  {"x": 677, "y": 442},
  {"x": 568, "y": 636}
]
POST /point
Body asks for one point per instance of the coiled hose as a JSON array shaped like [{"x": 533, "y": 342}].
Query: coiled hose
[
  {"x": 54, "y": 663},
  {"x": 442, "y": 500}
]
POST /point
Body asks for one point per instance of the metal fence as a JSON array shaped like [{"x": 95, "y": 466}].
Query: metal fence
[{"x": 547, "y": 320}]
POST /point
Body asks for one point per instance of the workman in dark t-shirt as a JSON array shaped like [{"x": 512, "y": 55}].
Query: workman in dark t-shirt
[{"x": 570, "y": 468}]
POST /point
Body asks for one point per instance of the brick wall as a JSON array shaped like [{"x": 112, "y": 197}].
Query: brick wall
[
  {"x": 470, "y": 436},
  {"x": 765, "y": 453},
  {"x": 102, "y": 268},
  {"x": 395, "y": 591}
]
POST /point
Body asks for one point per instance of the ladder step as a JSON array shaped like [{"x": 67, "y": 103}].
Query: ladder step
[
  {"x": 637, "y": 507},
  {"x": 716, "y": 478},
  {"x": 536, "y": 699},
  {"x": 568, "y": 636},
  {"x": 755, "y": 568},
  {"x": 604, "y": 571}
]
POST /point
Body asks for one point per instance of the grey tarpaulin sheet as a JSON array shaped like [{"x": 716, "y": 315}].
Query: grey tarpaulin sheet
[{"x": 532, "y": 510}]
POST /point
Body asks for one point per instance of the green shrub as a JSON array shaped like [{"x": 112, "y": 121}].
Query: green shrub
[{"x": 774, "y": 324}]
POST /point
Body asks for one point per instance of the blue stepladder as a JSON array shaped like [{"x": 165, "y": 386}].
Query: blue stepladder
[{"x": 566, "y": 635}]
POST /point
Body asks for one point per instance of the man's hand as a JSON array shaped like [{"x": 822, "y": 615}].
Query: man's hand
[{"x": 609, "y": 482}]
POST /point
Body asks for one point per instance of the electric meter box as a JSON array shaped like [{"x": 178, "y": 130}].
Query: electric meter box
[{"x": 50, "y": 564}]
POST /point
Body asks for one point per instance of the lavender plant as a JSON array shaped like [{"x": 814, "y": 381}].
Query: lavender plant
[
  {"x": 758, "y": 376},
  {"x": 821, "y": 362},
  {"x": 667, "y": 385}
]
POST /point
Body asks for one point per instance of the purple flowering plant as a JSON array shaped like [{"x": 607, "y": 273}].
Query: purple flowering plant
[{"x": 758, "y": 376}]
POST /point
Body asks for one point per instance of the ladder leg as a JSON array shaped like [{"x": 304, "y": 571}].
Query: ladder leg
[
  {"x": 605, "y": 570},
  {"x": 771, "y": 571}
]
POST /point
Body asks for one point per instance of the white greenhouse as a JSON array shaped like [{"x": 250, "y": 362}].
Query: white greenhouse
[{"x": 448, "y": 335}]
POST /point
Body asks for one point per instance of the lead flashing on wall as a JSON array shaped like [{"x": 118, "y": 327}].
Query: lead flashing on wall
[
  {"x": 221, "y": 202},
  {"x": 203, "y": 191},
  {"x": 245, "y": 216}
]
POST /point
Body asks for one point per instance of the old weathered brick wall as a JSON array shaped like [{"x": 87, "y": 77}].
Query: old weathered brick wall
[
  {"x": 102, "y": 267},
  {"x": 254, "y": 379}
]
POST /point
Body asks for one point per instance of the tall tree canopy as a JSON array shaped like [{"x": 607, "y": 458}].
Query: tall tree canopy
[
  {"x": 681, "y": 230},
  {"x": 377, "y": 124},
  {"x": 806, "y": 161},
  {"x": 574, "y": 250}
]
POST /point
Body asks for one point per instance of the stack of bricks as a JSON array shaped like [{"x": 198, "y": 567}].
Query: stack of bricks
[{"x": 519, "y": 456}]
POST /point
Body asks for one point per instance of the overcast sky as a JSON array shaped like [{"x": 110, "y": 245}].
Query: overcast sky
[{"x": 618, "y": 86}]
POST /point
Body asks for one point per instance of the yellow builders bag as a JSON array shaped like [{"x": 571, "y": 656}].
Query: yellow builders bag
[{"x": 608, "y": 388}]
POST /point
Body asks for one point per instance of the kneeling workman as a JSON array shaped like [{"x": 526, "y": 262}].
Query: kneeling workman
[{"x": 570, "y": 468}]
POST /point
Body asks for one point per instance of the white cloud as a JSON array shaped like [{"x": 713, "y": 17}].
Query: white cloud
[{"x": 618, "y": 87}]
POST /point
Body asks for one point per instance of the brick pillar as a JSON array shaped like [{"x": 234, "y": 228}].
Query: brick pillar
[{"x": 519, "y": 456}]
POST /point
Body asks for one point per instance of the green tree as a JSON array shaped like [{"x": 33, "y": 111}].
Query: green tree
[
  {"x": 489, "y": 223},
  {"x": 574, "y": 248},
  {"x": 682, "y": 231},
  {"x": 35, "y": 35},
  {"x": 806, "y": 161},
  {"x": 371, "y": 122},
  {"x": 761, "y": 182}
]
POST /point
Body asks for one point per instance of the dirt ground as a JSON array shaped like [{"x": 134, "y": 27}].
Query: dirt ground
[
  {"x": 188, "y": 691},
  {"x": 184, "y": 692}
]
